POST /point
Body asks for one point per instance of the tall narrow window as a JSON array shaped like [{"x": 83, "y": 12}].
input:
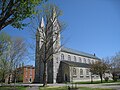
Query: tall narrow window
[
  {"x": 69, "y": 58},
  {"x": 89, "y": 61},
  {"x": 84, "y": 60},
  {"x": 31, "y": 72},
  {"x": 92, "y": 61},
  {"x": 74, "y": 72},
  {"x": 81, "y": 73},
  {"x": 87, "y": 72},
  {"x": 80, "y": 60},
  {"x": 26, "y": 71},
  {"x": 56, "y": 59},
  {"x": 74, "y": 58},
  {"x": 62, "y": 56}
]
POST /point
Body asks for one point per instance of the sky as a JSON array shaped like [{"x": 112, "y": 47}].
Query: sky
[{"x": 92, "y": 26}]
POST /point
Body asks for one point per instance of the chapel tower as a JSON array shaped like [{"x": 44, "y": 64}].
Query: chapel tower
[{"x": 53, "y": 64}]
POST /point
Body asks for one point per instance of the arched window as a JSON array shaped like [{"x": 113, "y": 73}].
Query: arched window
[
  {"x": 92, "y": 61},
  {"x": 89, "y": 61},
  {"x": 84, "y": 60},
  {"x": 56, "y": 59},
  {"x": 87, "y": 71},
  {"x": 80, "y": 60},
  {"x": 74, "y": 72},
  {"x": 81, "y": 71},
  {"x": 74, "y": 58},
  {"x": 69, "y": 58},
  {"x": 62, "y": 56}
]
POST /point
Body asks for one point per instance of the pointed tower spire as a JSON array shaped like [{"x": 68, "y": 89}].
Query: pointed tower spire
[
  {"x": 54, "y": 13},
  {"x": 42, "y": 23}
]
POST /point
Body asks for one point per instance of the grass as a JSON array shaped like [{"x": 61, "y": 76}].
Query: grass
[
  {"x": 86, "y": 88},
  {"x": 12, "y": 88},
  {"x": 65, "y": 88},
  {"x": 96, "y": 82}
]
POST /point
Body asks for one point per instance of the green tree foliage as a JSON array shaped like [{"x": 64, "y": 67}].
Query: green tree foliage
[{"x": 13, "y": 12}]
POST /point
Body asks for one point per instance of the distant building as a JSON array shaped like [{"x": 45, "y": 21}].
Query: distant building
[{"x": 24, "y": 74}]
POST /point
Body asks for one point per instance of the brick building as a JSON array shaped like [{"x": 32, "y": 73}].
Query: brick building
[
  {"x": 25, "y": 74},
  {"x": 29, "y": 74}
]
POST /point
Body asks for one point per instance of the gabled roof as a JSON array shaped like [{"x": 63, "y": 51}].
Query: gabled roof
[
  {"x": 76, "y": 64},
  {"x": 72, "y": 51}
]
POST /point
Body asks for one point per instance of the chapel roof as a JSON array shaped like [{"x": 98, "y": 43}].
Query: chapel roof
[
  {"x": 72, "y": 51},
  {"x": 76, "y": 64}
]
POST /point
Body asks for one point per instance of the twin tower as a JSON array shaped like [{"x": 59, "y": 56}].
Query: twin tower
[{"x": 52, "y": 37}]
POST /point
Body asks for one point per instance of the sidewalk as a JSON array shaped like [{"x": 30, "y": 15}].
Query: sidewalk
[
  {"x": 115, "y": 86},
  {"x": 32, "y": 88}
]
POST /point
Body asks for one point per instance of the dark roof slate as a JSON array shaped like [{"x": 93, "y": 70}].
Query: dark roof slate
[
  {"x": 76, "y": 64},
  {"x": 72, "y": 51}
]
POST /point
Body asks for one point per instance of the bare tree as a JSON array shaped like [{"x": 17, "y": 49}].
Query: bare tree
[
  {"x": 48, "y": 34},
  {"x": 16, "y": 55},
  {"x": 4, "y": 47},
  {"x": 99, "y": 68},
  {"x": 12, "y": 55},
  {"x": 115, "y": 65}
]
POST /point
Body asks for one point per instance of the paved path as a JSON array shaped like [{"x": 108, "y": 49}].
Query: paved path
[
  {"x": 115, "y": 86},
  {"x": 33, "y": 88}
]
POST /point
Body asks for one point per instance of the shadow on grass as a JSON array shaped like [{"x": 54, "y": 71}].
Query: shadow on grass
[{"x": 115, "y": 84}]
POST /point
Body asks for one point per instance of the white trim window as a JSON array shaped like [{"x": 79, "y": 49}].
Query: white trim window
[
  {"x": 75, "y": 58},
  {"x": 92, "y": 61},
  {"x": 89, "y": 61},
  {"x": 85, "y": 60},
  {"x": 81, "y": 73},
  {"x": 87, "y": 72},
  {"x": 62, "y": 56},
  {"x": 74, "y": 72},
  {"x": 69, "y": 58},
  {"x": 80, "y": 60}
]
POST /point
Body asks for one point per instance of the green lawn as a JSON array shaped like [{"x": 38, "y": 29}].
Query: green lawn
[
  {"x": 65, "y": 88},
  {"x": 12, "y": 88},
  {"x": 96, "y": 82}
]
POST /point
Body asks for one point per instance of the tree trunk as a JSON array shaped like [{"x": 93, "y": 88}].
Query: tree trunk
[
  {"x": 3, "y": 79},
  {"x": 91, "y": 78},
  {"x": 101, "y": 77},
  {"x": 45, "y": 74}
]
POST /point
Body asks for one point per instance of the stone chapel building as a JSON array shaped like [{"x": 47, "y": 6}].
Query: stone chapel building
[{"x": 68, "y": 65}]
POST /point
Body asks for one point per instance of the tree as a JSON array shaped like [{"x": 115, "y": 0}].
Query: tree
[
  {"x": 99, "y": 67},
  {"x": 17, "y": 53},
  {"x": 48, "y": 34},
  {"x": 4, "y": 47},
  {"x": 12, "y": 55},
  {"x": 4, "y": 42},
  {"x": 115, "y": 65},
  {"x": 13, "y": 12}
]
